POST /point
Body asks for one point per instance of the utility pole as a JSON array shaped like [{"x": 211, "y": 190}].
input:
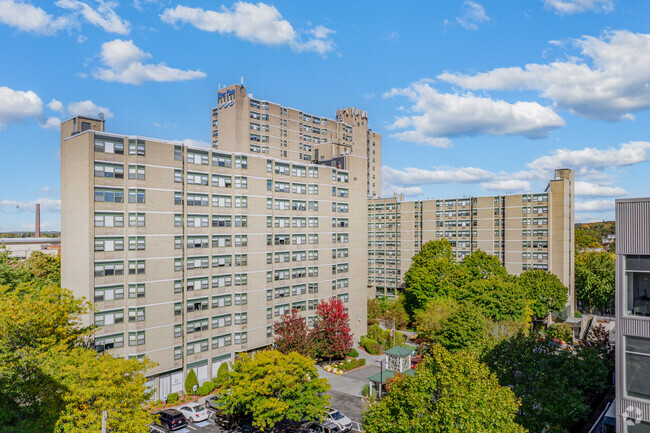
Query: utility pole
[{"x": 104, "y": 420}]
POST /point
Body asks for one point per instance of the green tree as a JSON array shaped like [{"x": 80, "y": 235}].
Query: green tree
[
  {"x": 374, "y": 311},
  {"x": 395, "y": 313},
  {"x": 499, "y": 298},
  {"x": 544, "y": 290},
  {"x": 272, "y": 387},
  {"x": 432, "y": 269},
  {"x": 554, "y": 385},
  {"x": 449, "y": 393},
  {"x": 594, "y": 281},
  {"x": 464, "y": 328},
  {"x": 429, "y": 320},
  {"x": 45, "y": 266},
  {"x": 479, "y": 264},
  {"x": 191, "y": 381},
  {"x": 49, "y": 380}
]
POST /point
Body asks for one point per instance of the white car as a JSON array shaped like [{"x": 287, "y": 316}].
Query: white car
[
  {"x": 342, "y": 421},
  {"x": 194, "y": 412}
]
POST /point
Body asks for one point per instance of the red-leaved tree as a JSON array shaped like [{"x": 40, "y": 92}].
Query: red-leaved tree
[
  {"x": 293, "y": 335},
  {"x": 331, "y": 335}
]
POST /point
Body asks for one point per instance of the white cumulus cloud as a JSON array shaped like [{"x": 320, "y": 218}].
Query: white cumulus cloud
[
  {"x": 410, "y": 191},
  {"x": 18, "y": 106},
  {"x": 195, "y": 143},
  {"x": 28, "y": 18},
  {"x": 417, "y": 176},
  {"x": 507, "y": 185},
  {"x": 576, "y": 6},
  {"x": 258, "y": 23},
  {"x": 608, "y": 81},
  {"x": 124, "y": 61},
  {"x": 56, "y": 105},
  {"x": 438, "y": 116},
  {"x": 473, "y": 16},
  {"x": 51, "y": 123},
  {"x": 104, "y": 16},
  {"x": 594, "y": 190},
  {"x": 88, "y": 108},
  {"x": 595, "y": 206}
]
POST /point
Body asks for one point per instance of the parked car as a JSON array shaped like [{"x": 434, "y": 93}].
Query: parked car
[
  {"x": 171, "y": 419},
  {"x": 222, "y": 418},
  {"x": 325, "y": 427},
  {"x": 194, "y": 412},
  {"x": 336, "y": 417}
]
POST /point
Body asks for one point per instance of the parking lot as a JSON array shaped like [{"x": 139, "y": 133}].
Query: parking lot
[{"x": 349, "y": 405}]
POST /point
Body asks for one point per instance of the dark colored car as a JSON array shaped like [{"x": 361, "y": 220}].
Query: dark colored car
[
  {"x": 222, "y": 418},
  {"x": 171, "y": 419}
]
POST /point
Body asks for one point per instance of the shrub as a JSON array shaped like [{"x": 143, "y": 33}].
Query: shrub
[
  {"x": 371, "y": 346},
  {"x": 209, "y": 385},
  {"x": 353, "y": 353},
  {"x": 203, "y": 390},
  {"x": 190, "y": 381},
  {"x": 562, "y": 332},
  {"x": 172, "y": 398},
  {"x": 578, "y": 314},
  {"x": 222, "y": 374},
  {"x": 365, "y": 391}
]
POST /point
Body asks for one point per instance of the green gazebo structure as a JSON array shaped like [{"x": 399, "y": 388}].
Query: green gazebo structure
[{"x": 398, "y": 361}]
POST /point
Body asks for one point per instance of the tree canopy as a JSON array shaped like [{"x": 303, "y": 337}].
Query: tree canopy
[
  {"x": 272, "y": 387},
  {"x": 595, "y": 282},
  {"x": 50, "y": 381},
  {"x": 553, "y": 384},
  {"x": 544, "y": 290},
  {"x": 448, "y": 393}
]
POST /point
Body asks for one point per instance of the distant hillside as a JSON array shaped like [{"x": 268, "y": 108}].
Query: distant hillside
[
  {"x": 595, "y": 235},
  {"x": 29, "y": 234}
]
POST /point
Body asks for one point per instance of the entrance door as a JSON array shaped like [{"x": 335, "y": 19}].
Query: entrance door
[
  {"x": 165, "y": 386},
  {"x": 177, "y": 382},
  {"x": 202, "y": 374}
]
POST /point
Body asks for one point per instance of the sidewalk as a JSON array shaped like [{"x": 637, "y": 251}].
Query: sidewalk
[{"x": 352, "y": 383}]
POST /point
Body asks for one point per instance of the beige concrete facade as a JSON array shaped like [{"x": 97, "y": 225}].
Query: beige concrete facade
[
  {"x": 190, "y": 255},
  {"x": 525, "y": 231}
]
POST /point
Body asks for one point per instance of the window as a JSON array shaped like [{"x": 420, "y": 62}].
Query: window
[
  {"x": 136, "y": 172},
  {"x": 110, "y": 195},
  {"x": 197, "y": 325},
  {"x": 109, "y": 170},
  {"x": 637, "y": 363},
  {"x": 241, "y": 221},
  {"x": 200, "y": 262},
  {"x": 109, "y": 220},
  {"x": 221, "y": 181},
  {"x": 194, "y": 284},
  {"x": 241, "y": 318},
  {"x": 241, "y": 201},
  {"x": 221, "y": 261},
  {"x": 109, "y": 145},
  {"x": 197, "y": 346},
  {"x": 136, "y": 195},
  {"x": 136, "y": 147},
  {"x": 178, "y": 220},
  {"x": 106, "y": 269},
  {"x": 221, "y": 301},
  {"x": 637, "y": 285},
  {"x": 313, "y": 172},
  {"x": 197, "y": 221},
  {"x": 241, "y": 259},
  {"x": 221, "y": 341},
  {"x": 221, "y": 280},
  {"x": 197, "y": 157},
  {"x": 136, "y": 243},
  {"x": 221, "y": 241},
  {"x": 105, "y": 318},
  {"x": 197, "y": 178},
  {"x": 221, "y": 221},
  {"x": 221, "y": 160},
  {"x": 109, "y": 293},
  {"x": 241, "y": 240},
  {"x": 197, "y": 241},
  {"x": 107, "y": 342},
  {"x": 299, "y": 171},
  {"x": 221, "y": 200},
  {"x": 241, "y": 182},
  {"x": 241, "y": 298},
  {"x": 136, "y": 219},
  {"x": 136, "y": 314},
  {"x": 313, "y": 254},
  {"x": 221, "y": 321},
  {"x": 197, "y": 304},
  {"x": 109, "y": 244},
  {"x": 178, "y": 153},
  {"x": 313, "y": 206},
  {"x": 136, "y": 267},
  {"x": 241, "y": 337},
  {"x": 241, "y": 162}
]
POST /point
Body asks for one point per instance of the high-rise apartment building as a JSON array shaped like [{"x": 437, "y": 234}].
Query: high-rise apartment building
[
  {"x": 190, "y": 254},
  {"x": 633, "y": 315},
  {"x": 525, "y": 231}
]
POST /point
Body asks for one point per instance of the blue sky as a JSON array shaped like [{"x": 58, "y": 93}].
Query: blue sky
[{"x": 471, "y": 97}]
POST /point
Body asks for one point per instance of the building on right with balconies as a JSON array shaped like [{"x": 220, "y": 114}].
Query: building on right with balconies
[{"x": 633, "y": 315}]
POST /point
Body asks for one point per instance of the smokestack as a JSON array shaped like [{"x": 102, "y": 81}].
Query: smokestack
[{"x": 37, "y": 231}]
